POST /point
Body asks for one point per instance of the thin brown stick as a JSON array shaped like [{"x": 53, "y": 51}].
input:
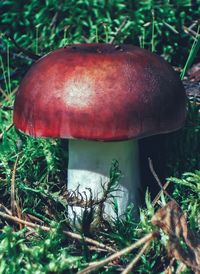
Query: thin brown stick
[
  {"x": 181, "y": 268},
  {"x": 8, "y": 96},
  {"x": 158, "y": 180},
  {"x": 170, "y": 27},
  {"x": 97, "y": 265},
  {"x": 34, "y": 218},
  {"x": 97, "y": 249},
  {"x": 159, "y": 194},
  {"x": 2, "y": 207},
  {"x": 130, "y": 266},
  {"x": 6, "y": 130},
  {"x": 24, "y": 51},
  {"x": 71, "y": 235},
  {"x": 4, "y": 94},
  {"x": 13, "y": 92},
  {"x": 119, "y": 30},
  {"x": 12, "y": 191},
  {"x": 190, "y": 32},
  {"x": 54, "y": 19},
  {"x": 168, "y": 270}
]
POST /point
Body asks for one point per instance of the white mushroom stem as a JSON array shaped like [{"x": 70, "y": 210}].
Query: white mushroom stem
[{"x": 89, "y": 166}]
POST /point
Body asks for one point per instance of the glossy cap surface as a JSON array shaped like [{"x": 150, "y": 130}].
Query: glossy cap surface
[{"x": 100, "y": 92}]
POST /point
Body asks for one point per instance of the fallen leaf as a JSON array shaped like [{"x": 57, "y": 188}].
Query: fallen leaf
[{"x": 183, "y": 245}]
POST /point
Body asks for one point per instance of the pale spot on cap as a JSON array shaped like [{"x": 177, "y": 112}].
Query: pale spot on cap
[{"x": 78, "y": 92}]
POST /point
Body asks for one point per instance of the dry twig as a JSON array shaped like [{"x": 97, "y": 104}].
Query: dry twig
[
  {"x": 159, "y": 194},
  {"x": 71, "y": 235},
  {"x": 119, "y": 30},
  {"x": 15, "y": 208},
  {"x": 137, "y": 258},
  {"x": 24, "y": 51},
  {"x": 97, "y": 265},
  {"x": 169, "y": 269},
  {"x": 158, "y": 180},
  {"x": 6, "y": 130},
  {"x": 5, "y": 95},
  {"x": 3, "y": 208},
  {"x": 181, "y": 268},
  {"x": 190, "y": 32},
  {"x": 12, "y": 191}
]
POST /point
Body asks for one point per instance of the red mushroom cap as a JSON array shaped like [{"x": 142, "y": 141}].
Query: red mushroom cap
[{"x": 100, "y": 92}]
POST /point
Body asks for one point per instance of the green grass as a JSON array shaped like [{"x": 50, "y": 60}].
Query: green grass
[
  {"x": 42, "y": 26},
  {"x": 41, "y": 164}
]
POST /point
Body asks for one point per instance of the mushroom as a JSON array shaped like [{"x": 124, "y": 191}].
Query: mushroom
[{"x": 103, "y": 98}]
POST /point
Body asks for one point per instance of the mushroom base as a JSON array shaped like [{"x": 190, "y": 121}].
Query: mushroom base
[{"x": 88, "y": 168}]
